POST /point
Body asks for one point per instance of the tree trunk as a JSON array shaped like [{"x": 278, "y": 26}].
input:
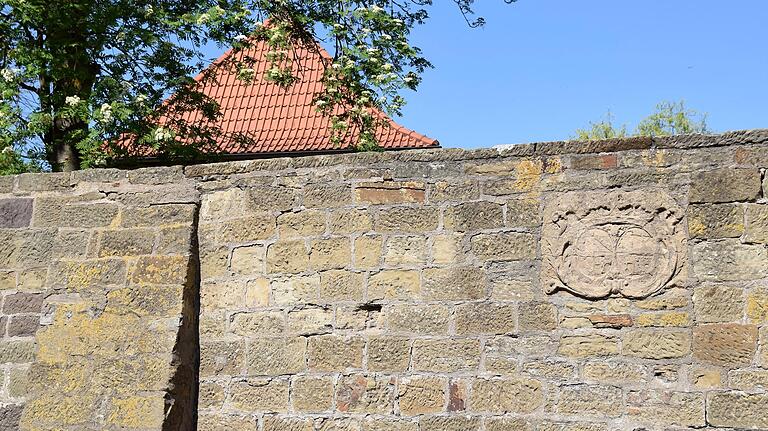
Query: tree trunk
[{"x": 65, "y": 156}]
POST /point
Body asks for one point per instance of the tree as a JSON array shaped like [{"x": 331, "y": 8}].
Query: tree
[
  {"x": 670, "y": 118},
  {"x": 79, "y": 73}
]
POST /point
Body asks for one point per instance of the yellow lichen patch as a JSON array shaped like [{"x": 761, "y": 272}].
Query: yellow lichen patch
[
  {"x": 696, "y": 227},
  {"x": 61, "y": 410},
  {"x": 528, "y": 174},
  {"x": 757, "y": 306},
  {"x": 674, "y": 319},
  {"x": 136, "y": 412},
  {"x": 553, "y": 165},
  {"x": 656, "y": 158}
]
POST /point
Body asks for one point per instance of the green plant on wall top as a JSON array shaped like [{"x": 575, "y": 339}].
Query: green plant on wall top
[
  {"x": 670, "y": 118},
  {"x": 79, "y": 73}
]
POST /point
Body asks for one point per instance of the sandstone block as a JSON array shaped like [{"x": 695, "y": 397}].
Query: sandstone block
[
  {"x": 421, "y": 395},
  {"x": 500, "y": 396},
  {"x": 160, "y": 270},
  {"x": 88, "y": 215},
  {"x": 21, "y": 326},
  {"x": 248, "y": 260},
  {"x": 406, "y": 250},
  {"x": 160, "y": 215},
  {"x": 368, "y": 251},
  {"x": 408, "y": 219},
  {"x": 446, "y": 355},
  {"x": 15, "y": 213},
  {"x": 548, "y": 369},
  {"x": 335, "y": 352},
  {"x": 126, "y": 242},
  {"x": 591, "y": 400},
  {"x": 297, "y": 289},
  {"x": 22, "y": 302},
  {"x": 718, "y": 303},
  {"x": 260, "y": 395},
  {"x": 449, "y": 423},
  {"x": 667, "y": 408},
  {"x": 757, "y": 221},
  {"x": 365, "y": 394},
  {"x": 472, "y": 216},
  {"x": 725, "y": 185},
  {"x": 136, "y": 412},
  {"x": 312, "y": 394},
  {"x": 706, "y": 378},
  {"x": 282, "y": 423},
  {"x": 287, "y": 256},
  {"x": 346, "y": 221},
  {"x": 748, "y": 380},
  {"x": 729, "y": 260},
  {"x": 669, "y": 300},
  {"x": 327, "y": 195},
  {"x": 486, "y": 318},
  {"x": 504, "y": 246},
  {"x": 393, "y": 284},
  {"x": 447, "y": 249},
  {"x": 580, "y": 346},
  {"x": 454, "y": 283},
  {"x": 715, "y": 221},
  {"x": 443, "y": 191},
  {"x": 211, "y": 395},
  {"x": 341, "y": 285},
  {"x": 537, "y": 316},
  {"x": 656, "y": 344},
  {"x": 737, "y": 410},
  {"x": 388, "y": 354},
  {"x": 757, "y": 306},
  {"x": 506, "y": 423},
  {"x": 271, "y": 198},
  {"x": 727, "y": 345},
  {"x": 310, "y": 321},
  {"x": 389, "y": 424},
  {"x": 301, "y": 224},
  {"x": 246, "y": 229},
  {"x": 258, "y": 323},
  {"x": 666, "y": 319},
  {"x": 330, "y": 253},
  {"x": 390, "y": 192},
  {"x": 615, "y": 373},
  {"x": 219, "y": 358},
  {"x": 418, "y": 319},
  {"x": 17, "y": 352},
  {"x": 276, "y": 356},
  {"x": 226, "y": 422}
]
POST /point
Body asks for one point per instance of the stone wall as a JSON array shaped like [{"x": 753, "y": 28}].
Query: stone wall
[{"x": 612, "y": 285}]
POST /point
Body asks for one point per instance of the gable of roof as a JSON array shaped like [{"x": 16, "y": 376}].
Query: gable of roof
[{"x": 260, "y": 117}]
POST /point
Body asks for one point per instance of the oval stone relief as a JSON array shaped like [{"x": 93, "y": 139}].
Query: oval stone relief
[{"x": 596, "y": 245}]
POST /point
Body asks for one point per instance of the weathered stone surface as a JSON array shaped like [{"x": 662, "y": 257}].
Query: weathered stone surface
[
  {"x": 615, "y": 373},
  {"x": 506, "y": 395},
  {"x": 287, "y": 256},
  {"x": 588, "y": 345},
  {"x": 276, "y": 356},
  {"x": 246, "y": 229},
  {"x": 504, "y": 246},
  {"x": 418, "y": 319},
  {"x": 260, "y": 395},
  {"x": 335, "y": 352},
  {"x": 301, "y": 224},
  {"x": 485, "y": 318},
  {"x": 405, "y": 250},
  {"x": 15, "y": 213},
  {"x": 725, "y": 185},
  {"x": 757, "y": 221},
  {"x": 368, "y": 251},
  {"x": 126, "y": 242},
  {"x": 447, "y": 355},
  {"x": 408, "y": 219},
  {"x": 656, "y": 344},
  {"x": 22, "y": 302},
  {"x": 394, "y": 284},
  {"x": 421, "y": 395},
  {"x": 388, "y": 354},
  {"x": 455, "y": 283},
  {"x": 757, "y": 306},
  {"x": 390, "y": 192},
  {"x": 330, "y": 253},
  {"x": 729, "y": 260},
  {"x": 718, "y": 303},
  {"x": 449, "y": 423},
  {"x": 591, "y": 400},
  {"x": 667, "y": 408},
  {"x": 312, "y": 394},
  {"x": 474, "y": 216},
  {"x": 715, "y": 221},
  {"x": 737, "y": 410},
  {"x": 726, "y": 345}
]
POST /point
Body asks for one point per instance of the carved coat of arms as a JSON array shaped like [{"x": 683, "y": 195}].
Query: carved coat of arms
[{"x": 599, "y": 244}]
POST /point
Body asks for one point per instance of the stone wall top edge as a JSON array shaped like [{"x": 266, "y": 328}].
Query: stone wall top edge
[{"x": 155, "y": 176}]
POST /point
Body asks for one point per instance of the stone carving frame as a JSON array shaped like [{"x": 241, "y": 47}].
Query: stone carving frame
[{"x": 614, "y": 243}]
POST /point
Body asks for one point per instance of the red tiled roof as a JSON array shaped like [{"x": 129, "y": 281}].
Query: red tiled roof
[{"x": 277, "y": 119}]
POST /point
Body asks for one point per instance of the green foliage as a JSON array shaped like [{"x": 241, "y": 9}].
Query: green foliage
[
  {"x": 670, "y": 118},
  {"x": 78, "y": 74},
  {"x": 603, "y": 129}
]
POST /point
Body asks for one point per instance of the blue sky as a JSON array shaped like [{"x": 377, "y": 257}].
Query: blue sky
[{"x": 539, "y": 69}]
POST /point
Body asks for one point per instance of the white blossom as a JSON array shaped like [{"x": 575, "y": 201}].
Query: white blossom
[
  {"x": 8, "y": 74},
  {"x": 203, "y": 18},
  {"x": 106, "y": 112},
  {"x": 8, "y": 150},
  {"x": 141, "y": 98},
  {"x": 240, "y": 38},
  {"x": 72, "y": 100},
  {"x": 162, "y": 134}
]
